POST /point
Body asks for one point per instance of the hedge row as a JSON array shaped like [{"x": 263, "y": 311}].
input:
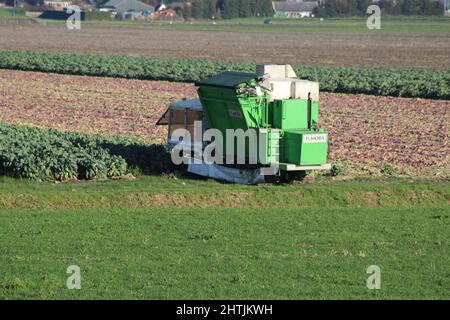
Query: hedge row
[{"x": 434, "y": 84}]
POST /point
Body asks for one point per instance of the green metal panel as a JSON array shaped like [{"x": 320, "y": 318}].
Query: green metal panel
[
  {"x": 223, "y": 108},
  {"x": 229, "y": 102},
  {"x": 230, "y": 107},
  {"x": 272, "y": 146},
  {"x": 305, "y": 147},
  {"x": 227, "y": 110},
  {"x": 293, "y": 114}
]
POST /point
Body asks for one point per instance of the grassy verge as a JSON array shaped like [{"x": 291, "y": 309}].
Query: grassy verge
[
  {"x": 169, "y": 192},
  {"x": 203, "y": 239}
]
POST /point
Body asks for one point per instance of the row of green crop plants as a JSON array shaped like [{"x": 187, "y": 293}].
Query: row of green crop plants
[
  {"x": 49, "y": 155},
  {"x": 433, "y": 84}
]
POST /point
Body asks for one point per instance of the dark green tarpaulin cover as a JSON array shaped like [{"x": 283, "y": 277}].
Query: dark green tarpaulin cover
[{"x": 229, "y": 79}]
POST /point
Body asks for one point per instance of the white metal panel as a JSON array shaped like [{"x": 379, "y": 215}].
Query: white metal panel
[
  {"x": 276, "y": 70},
  {"x": 301, "y": 88},
  {"x": 280, "y": 88}
]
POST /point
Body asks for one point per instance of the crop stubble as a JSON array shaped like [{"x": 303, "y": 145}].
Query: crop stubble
[
  {"x": 367, "y": 50},
  {"x": 366, "y": 132}
]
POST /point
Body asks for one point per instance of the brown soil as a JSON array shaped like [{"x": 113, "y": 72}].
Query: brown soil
[
  {"x": 384, "y": 50},
  {"x": 366, "y": 132}
]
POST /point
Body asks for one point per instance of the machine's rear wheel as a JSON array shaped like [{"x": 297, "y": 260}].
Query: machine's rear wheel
[{"x": 296, "y": 176}]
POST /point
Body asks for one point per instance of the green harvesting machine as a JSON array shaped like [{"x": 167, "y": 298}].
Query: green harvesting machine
[{"x": 268, "y": 122}]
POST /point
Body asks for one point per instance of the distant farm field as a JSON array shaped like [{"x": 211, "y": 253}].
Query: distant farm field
[
  {"x": 367, "y": 132},
  {"x": 355, "y": 46},
  {"x": 148, "y": 232}
]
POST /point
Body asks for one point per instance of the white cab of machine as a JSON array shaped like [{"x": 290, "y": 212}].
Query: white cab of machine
[{"x": 284, "y": 83}]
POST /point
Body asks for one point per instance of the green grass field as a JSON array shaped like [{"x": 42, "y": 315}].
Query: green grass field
[
  {"x": 160, "y": 237},
  {"x": 5, "y": 13},
  {"x": 410, "y": 24}
]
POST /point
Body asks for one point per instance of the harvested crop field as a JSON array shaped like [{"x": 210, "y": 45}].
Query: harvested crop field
[
  {"x": 359, "y": 49},
  {"x": 367, "y": 132}
]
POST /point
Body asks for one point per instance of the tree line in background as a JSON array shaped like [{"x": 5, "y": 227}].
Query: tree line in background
[
  {"x": 343, "y": 8},
  {"x": 197, "y": 9},
  {"x": 227, "y": 9}
]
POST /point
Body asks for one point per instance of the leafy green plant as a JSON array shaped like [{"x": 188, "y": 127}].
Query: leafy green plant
[
  {"x": 388, "y": 170},
  {"x": 432, "y": 84},
  {"x": 335, "y": 171},
  {"x": 48, "y": 155}
]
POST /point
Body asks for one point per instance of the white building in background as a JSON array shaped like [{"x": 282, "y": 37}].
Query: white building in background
[
  {"x": 446, "y": 7},
  {"x": 57, "y": 5},
  {"x": 294, "y": 8}
]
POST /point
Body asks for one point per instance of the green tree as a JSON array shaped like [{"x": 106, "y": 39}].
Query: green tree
[
  {"x": 198, "y": 9},
  {"x": 390, "y": 7},
  {"x": 362, "y": 5},
  {"x": 331, "y": 8},
  {"x": 210, "y": 9},
  {"x": 244, "y": 9},
  {"x": 266, "y": 8},
  {"x": 230, "y": 9},
  {"x": 409, "y": 7},
  {"x": 428, "y": 7},
  {"x": 263, "y": 8},
  {"x": 352, "y": 8},
  {"x": 187, "y": 10}
]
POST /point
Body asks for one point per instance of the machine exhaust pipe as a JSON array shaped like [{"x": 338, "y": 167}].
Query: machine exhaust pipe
[{"x": 309, "y": 111}]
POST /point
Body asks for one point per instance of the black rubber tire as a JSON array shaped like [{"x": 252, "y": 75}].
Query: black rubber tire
[{"x": 296, "y": 177}]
